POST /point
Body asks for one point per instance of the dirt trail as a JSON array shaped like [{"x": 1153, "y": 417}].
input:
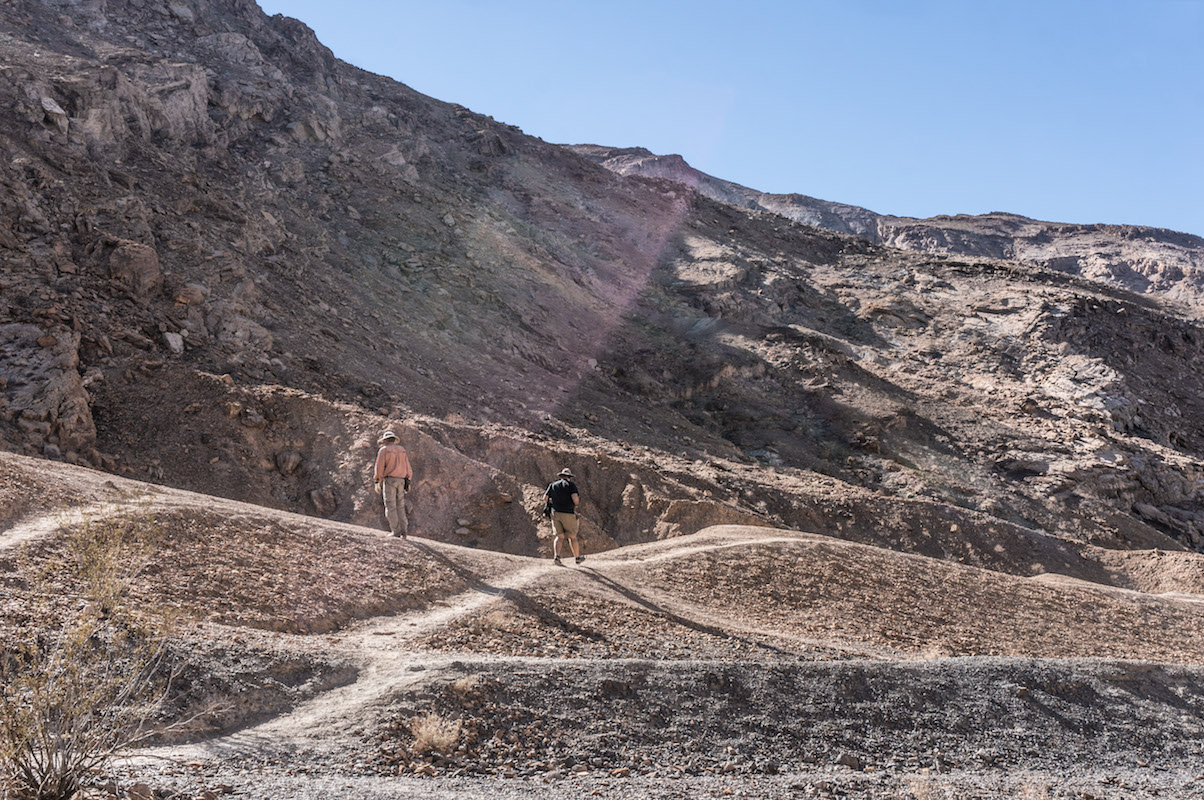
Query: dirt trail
[
  {"x": 384, "y": 666},
  {"x": 377, "y": 650},
  {"x": 36, "y": 526},
  {"x": 388, "y": 658}
]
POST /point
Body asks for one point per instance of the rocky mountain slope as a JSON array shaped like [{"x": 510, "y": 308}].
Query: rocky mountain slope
[
  {"x": 230, "y": 260},
  {"x": 1140, "y": 259}
]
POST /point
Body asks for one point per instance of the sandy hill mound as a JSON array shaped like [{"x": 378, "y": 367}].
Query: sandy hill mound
[{"x": 738, "y": 651}]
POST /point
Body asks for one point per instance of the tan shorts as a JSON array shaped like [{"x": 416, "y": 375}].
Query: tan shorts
[{"x": 564, "y": 524}]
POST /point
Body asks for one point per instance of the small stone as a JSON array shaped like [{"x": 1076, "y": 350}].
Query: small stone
[
  {"x": 287, "y": 461},
  {"x": 251, "y": 418},
  {"x": 849, "y": 760},
  {"x": 193, "y": 294},
  {"x": 140, "y": 791},
  {"x": 621, "y": 772},
  {"x": 174, "y": 342},
  {"x": 449, "y": 220},
  {"x": 47, "y": 341},
  {"x": 463, "y": 531}
]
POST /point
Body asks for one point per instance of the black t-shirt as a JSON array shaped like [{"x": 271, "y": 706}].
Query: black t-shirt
[{"x": 562, "y": 492}]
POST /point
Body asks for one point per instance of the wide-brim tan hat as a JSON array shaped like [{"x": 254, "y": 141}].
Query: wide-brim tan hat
[
  {"x": 567, "y": 473},
  {"x": 386, "y": 436}
]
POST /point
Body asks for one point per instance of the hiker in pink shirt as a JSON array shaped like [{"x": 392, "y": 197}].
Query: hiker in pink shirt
[{"x": 392, "y": 476}]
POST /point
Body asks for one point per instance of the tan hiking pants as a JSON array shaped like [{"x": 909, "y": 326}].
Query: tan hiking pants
[{"x": 392, "y": 490}]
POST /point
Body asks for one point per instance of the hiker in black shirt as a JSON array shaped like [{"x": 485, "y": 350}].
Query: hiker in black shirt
[{"x": 563, "y": 497}]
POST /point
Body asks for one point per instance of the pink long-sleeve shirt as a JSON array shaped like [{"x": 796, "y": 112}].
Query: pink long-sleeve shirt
[{"x": 392, "y": 462}]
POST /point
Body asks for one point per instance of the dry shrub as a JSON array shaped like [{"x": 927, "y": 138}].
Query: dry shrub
[
  {"x": 925, "y": 787},
  {"x": 434, "y": 734},
  {"x": 468, "y": 687},
  {"x": 1034, "y": 790},
  {"x": 86, "y": 677}
]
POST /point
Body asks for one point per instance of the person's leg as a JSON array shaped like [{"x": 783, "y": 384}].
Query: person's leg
[
  {"x": 557, "y": 535},
  {"x": 386, "y": 494},
  {"x": 394, "y": 496},
  {"x": 403, "y": 522},
  {"x": 571, "y": 525}
]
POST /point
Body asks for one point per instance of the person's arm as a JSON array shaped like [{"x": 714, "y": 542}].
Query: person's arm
[
  {"x": 377, "y": 473},
  {"x": 576, "y": 501}
]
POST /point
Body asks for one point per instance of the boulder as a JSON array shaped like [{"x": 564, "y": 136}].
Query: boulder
[
  {"x": 234, "y": 330},
  {"x": 56, "y": 115},
  {"x": 136, "y": 266},
  {"x": 324, "y": 501}
]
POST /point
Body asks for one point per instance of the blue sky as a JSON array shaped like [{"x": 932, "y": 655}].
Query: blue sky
[{"x": 1088, "y": 111}]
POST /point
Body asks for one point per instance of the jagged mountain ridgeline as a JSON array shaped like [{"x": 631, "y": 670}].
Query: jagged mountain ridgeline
[
  {"x": 835, "y": 466},
  {"x": 1140, "y": 259}
]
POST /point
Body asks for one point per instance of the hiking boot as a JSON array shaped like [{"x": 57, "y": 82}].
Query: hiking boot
[
  {"x": 579, "y": 559},
  {"x": 556, "y": 560}
]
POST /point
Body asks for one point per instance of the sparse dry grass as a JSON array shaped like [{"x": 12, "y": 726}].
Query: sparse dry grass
[
  {"x": 435, "y": 734},
  {"x": 931, "y": 787},
  {"x": 88, "y": 679}
]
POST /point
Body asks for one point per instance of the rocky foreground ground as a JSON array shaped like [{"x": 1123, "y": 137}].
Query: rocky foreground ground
[{"x": 739, "y": 661}]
